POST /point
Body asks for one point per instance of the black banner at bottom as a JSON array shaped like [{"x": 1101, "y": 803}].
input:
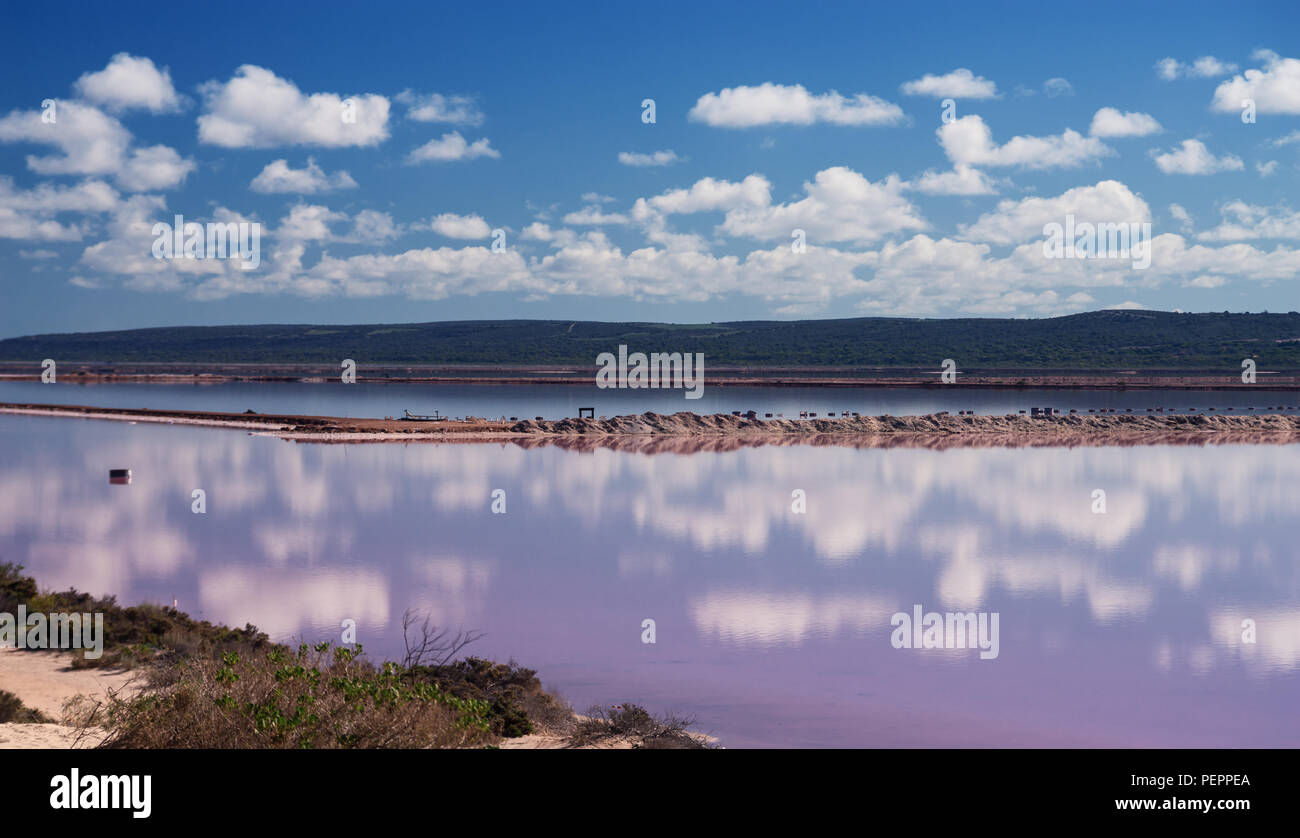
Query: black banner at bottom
[{"x": 144, "y": 789}]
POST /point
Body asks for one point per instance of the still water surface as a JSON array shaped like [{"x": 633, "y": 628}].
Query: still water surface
[{"x": 773, "y": 628}]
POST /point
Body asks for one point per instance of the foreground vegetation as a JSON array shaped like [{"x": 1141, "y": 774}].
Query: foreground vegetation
[
  {"x": 208, "y": 686},
  {"x": 1094, "y": 340},
  {"x": 13, "y": 711}
]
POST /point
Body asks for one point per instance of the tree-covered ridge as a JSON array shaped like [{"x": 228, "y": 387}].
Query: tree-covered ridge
[{"x": 1101, "y": 339}]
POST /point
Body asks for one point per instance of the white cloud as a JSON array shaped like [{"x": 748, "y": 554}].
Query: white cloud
[
  {"x": 435, "y": 107},
  {"x": 1266, "y": 169},
  {"x": 707, "y": 194},
  {"x": 841, "y": 205},
  {"x": 969, "y": 141},
  {"x": 1293, "y": 137},
  {"x": 959, "y": 84},
  {"x": 537, "y": 231},
  {"x": 153, "y": 168},
  {"x": 452, "y": 147},
  {"x": 1241, "y": 221},
  {"x": 1109, "y": 122},
  {"x": 258, "y": 109},
  {"x": 781, "y": 104},
  {"x": 94, "y": 143},
  {"x": 455, "y": 226},
  {"x": 91, "y": 141},
  {"x": 1193, "y": 158},
  {"x": 1168, "y": 68},
  {"x": 1058, "y": 87},
  {"x": 1014, "y": 222},
  {"x": 308, "y": 222},
  {"x": 279, "y": 177},
  {"x": 1205, "y": 67},
  {"x": 37, "y": 254},
  {"x": 1208, "y": 67},
  {"x": 593, "y": 216},
  {"x": 962, "y": 180},
  {"x": 920, "y": 275},
  {"x": 373, "y": 226},
  {"x": 30, "y": 214},
  {"x": 657, "y": 158},
  {"x": 130, "y": 82},
  {"x": 1275, "y": 89},
  {"x": 1182, "y": 216}
]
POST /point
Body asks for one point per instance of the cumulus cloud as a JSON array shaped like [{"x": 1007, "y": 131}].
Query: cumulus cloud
[
  {"x": 455, "y": 226},
  {"x": 840, "y": 205},
  {"x": 30, "y": 214},
  {"x": 1110, "y": 122},
  {"x": 594, "y": 216},
  {"x": 279, "y": 177},
  {"x": 920, "y": 275},
  {"x": 308, "y": 222},
  {"x": 1058, "y": 86},
  {"x": 258, "y": 109},
  {"x": 435, "y": 107},
  {"x": 1182, "y": 216},
  {"x": 1193, "y": 158},
  {"x": 1241, "y": 221},
  {"x": 93, "y": 143},
  {"x": 1205, "y": 67},
  {"x": 969, "y": 141},
  {"x": 657, "y": 158},
  {"x": 962, "y": 180},
  {"x": 130, "y": 82},
  {"x": 90, "y": 141},
  {"x": 959, "y": 84},
  {"x": 783, "y": 104},
  {"x": 373, "y": 226},
  {"x": 156, "y": 167},
  {"x": 707, "y": 194},
  {"x": 452, "y": 147},
  {"x": 1019, "y": 221},
  {"x": 1275, "y": 88}
]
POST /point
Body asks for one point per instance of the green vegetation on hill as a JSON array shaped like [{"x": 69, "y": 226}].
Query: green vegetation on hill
[{"x": 1100, "y": 339}]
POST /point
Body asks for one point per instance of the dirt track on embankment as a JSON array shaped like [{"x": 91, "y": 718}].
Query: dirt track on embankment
[{"x": 689, "y": 432}]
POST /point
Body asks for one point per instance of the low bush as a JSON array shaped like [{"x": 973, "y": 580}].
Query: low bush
[
  {"x": 315, "y": 697},
  {"x": 12, "y": 710}
]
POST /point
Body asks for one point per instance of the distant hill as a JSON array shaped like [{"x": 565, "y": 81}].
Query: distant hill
[{"x": 1099, "y": 339}]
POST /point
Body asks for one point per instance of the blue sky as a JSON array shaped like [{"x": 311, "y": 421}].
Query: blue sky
[{"x": 527, "y": 118}]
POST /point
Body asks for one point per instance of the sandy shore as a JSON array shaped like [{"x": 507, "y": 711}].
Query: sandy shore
[{"x": 46, "y": 681}]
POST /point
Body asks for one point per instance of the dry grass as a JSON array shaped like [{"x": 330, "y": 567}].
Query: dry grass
[
  {"x": 317, "y": 697},
  {"x": 633, "y": 723},
  {"x": 12, "y": 710}
]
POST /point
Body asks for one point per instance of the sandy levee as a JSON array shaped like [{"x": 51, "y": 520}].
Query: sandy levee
[
  {"x": 46, "y": 681},
  {"x": 1153, "y": 426}
]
